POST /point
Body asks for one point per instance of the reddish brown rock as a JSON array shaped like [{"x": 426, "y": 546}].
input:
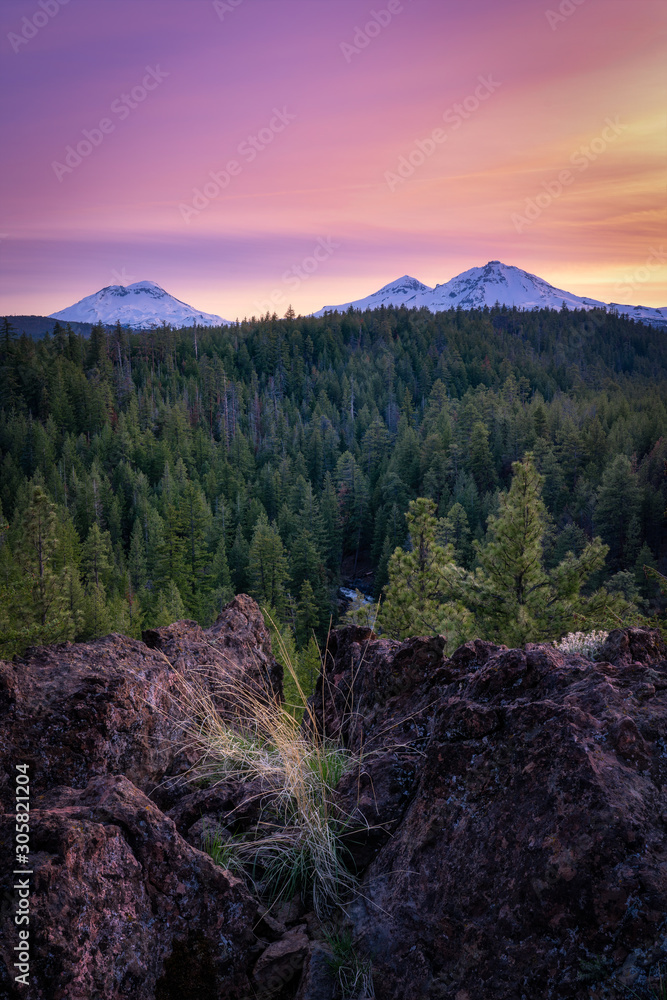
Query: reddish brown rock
[
  {"x": 278, "y": 968},
  {"x": 112, "y": 706},
  {"x": 237, "y": 643},
  {"x": 530, "y": 859},
  {"x": 508, "y": 819},
  {"x": 75, "y": 711},
  {"x": 122, "y": 907}
]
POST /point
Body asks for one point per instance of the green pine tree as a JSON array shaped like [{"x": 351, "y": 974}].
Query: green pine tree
[
  {"x": 39, "y": 610},
  {"x": 421, "y": 598},
  {"x": 513, "y": 597},
  {"x": 97, "y": 556},
  {"x": 307, "y": 617},
  {"x": 267, "y": 566}
]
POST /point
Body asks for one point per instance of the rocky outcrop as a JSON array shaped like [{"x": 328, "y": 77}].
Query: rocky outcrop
[
  {"x": 238, "y": 644},
  {"x": 528, "y": 854},
  {"x": 507, "y": 820},
  {"x": 122, "y": 905}
]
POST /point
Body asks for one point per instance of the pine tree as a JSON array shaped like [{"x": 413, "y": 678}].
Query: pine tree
[
  {"x": 137, "y": 557},
  {"x": 480, "y": 459},
  {"x": 238, "y": 563},
  {"x": 455, "y": 531},
  {"x": 512, "y": 596},
  {"x": 267, "y": 566},
  {"x": 97, "y": 556},
  {"x": 307, "y": 617},
  {"x": 97, "y": 617},
  {"x": 196, "y": 521},
  {"x": 169, "y": 607},
  {"x": 617, "y": 513},
  {"x": 331, "y": 530},
  {"x": 353, "y": 498},
  {"x": 221, "y": 580},
  {"x": 40, "y": 602},
  {"x": 421, "y": 598}
]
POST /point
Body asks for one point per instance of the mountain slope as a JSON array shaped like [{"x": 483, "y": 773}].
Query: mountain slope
[
  {"x": 404, "y": 291},
  {"x": 141, "y": 306},
  {"x": 494, "y": 283}
]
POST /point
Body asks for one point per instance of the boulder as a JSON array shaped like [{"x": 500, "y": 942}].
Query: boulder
[
  {"x": 528, "y": 854},
  {"x": 112, "y": 706},
  {"x": 237, "y": 644},
  {"x": 75, "y": 711},
  {"x": 278, "y": 969},
  {"x": 122, "y": 906}
]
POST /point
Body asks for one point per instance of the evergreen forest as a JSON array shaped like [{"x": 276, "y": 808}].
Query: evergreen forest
[{"x": 147, "y": 477}]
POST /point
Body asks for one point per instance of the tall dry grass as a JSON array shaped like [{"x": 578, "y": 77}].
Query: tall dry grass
[{"x": 238, "y": 730}]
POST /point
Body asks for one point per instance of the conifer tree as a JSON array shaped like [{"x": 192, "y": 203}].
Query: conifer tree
[
  {"x": 196, "y": 520},
  {"x": 169, "y": 607},
  {"x": 331, "y": 530},
  {"x": 307, "y": 617},
  {"x": 267, "y": 566},
  {"x": 617, "y": 513},
  {"x": 480, "y": 460},
  {"x": 238, "y": 562},
  {"x": 221, "y": 580},
  {"x": 40, "y": 597},
  {"x": 514, "y": 599},
  {"x": 421, "y": 598},
  {"x": 97, "y": 615},
  {"x": 97, "y": 556},
  {"x": 455, "y": 531},
  {"x": 137, "y": 557}
]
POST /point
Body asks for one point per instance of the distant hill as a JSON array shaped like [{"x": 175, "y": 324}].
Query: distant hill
[{"x": 37, "y": 326}]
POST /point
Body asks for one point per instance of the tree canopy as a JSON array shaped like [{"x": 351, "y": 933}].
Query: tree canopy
[{"x": 283, "y": 455}]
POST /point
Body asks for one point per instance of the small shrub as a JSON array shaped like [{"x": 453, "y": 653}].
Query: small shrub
[{"x": 586, "y": 644}]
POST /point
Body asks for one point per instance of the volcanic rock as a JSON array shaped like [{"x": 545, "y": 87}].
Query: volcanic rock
[
  {"x": 528, "y": 855},
  {"x": 122, "y": 907}
]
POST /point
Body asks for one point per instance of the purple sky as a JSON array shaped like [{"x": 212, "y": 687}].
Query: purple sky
[{"x": 334, "y": 114}]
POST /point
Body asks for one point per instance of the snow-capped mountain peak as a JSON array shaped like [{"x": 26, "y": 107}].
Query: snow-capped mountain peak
[
  {"x": 143, "y": 305},
  {"x": 493, "y": 283},
  {"x": 405, "y": 291},
  {"x": 506, "y": 284}
]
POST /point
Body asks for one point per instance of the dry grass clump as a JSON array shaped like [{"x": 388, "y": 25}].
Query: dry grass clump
[{"x": 239, "y": 731}]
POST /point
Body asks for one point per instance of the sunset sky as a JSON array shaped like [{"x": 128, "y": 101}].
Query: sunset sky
[{"x": 182, "y": 86}]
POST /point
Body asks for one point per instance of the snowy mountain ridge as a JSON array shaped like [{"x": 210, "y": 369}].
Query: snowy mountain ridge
[
  {"x": 485, "y": 286},
  {"x": 141, "y": 306}
]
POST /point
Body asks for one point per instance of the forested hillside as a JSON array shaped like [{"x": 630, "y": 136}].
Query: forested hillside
[{"x": 150, "y": 476}]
